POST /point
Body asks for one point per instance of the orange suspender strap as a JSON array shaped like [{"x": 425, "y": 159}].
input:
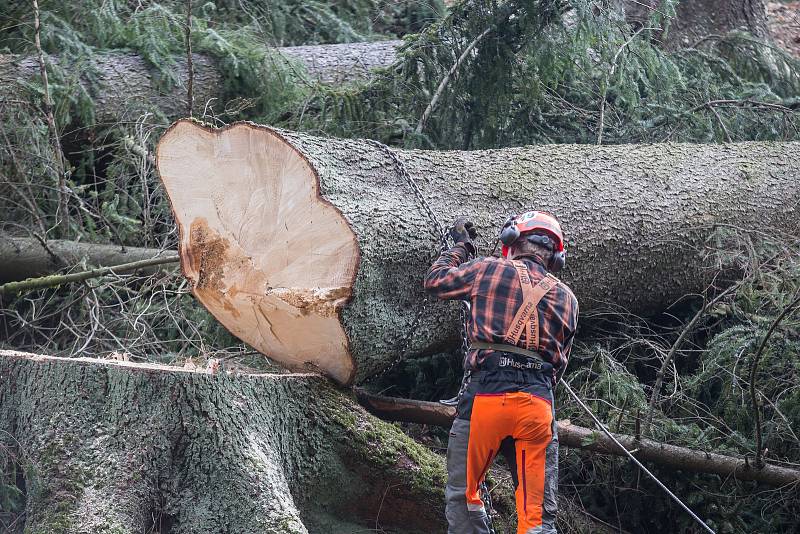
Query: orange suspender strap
[
  {"x": 528, "y": 307},
  {"x": 527, "y": 317}
]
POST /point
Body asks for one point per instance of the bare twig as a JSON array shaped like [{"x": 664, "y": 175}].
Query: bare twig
[
  {"x": 189, "y": 63},
  {"x": 29, "y": 199},
  {"x": 654, "y": 395},
  {"x": 443, "y": 84},
  {"x": 62, "y": 216},
  {"x": 610, "y": 75},
  {"x": 747, "y": 102},
  {"x": 674, "y": 350},
  {"x": 721, "y": 124},
  {"x": 759, "y": 463},
  {"x": 57, "y": 280}
]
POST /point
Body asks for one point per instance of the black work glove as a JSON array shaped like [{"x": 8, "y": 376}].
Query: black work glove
[{"x": 463, "y": 231}]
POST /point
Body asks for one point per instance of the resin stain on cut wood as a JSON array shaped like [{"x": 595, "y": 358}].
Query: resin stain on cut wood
[
  {"x": 205, "y": 255},
  {"x": 266, "y": 255}
]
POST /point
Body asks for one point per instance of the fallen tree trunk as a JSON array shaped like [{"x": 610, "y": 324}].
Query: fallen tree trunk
[
  {"x": 343, "y": 63},
  {"x": 55, "y": 280},
  {"x": 569, "y": 435},
  {"x": 313, "y": 250},
  {"x": 110, "y": 446},
  {"x": 127, "y": 86},
  {"x": 22, "y": 258}
]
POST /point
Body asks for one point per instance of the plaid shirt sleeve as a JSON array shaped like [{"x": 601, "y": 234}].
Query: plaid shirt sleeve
[
  {"x": 571, "y": 325},
  {"x": 449, "y": 277}
]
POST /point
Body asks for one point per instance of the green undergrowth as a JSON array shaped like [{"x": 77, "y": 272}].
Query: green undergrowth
[
  {"x": 547, "y": 69},
  {"x": 254, "y": 76},
  {"x": 705, "y": 404},
  {"x": 708, "y": 408},
  {"x": 283, "y": 22}
]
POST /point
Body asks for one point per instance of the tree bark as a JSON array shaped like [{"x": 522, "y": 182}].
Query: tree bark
[
  {"x": 22, "y": 258},
  {"x": 127, "y": 86},
  {"x": 112, "y": 446},
  {"x": 313, "y": 250},
  {"x": 569, "y": 435},
  {"x": 696, "y": 19},
  {"x": 343, "y": 63}
]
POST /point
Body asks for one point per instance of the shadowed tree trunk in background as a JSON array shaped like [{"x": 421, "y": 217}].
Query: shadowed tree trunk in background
[
  {"x": 127, "y": 86},
  {"x": 313, "y": 250},
  {"x": 696, "y": 19},
  {"x": 22, "y": 258}
]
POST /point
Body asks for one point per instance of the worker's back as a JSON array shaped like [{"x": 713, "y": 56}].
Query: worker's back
[{"x": 493, "y": 287}]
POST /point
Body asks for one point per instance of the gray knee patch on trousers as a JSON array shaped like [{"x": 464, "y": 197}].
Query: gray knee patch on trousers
[
  {"x": 459, "y": 519},
  {"x": 455, "y": 492},
  {"x": 550, "y": 504}
]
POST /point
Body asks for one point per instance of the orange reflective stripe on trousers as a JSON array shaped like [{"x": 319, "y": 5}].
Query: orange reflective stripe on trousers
[{"x": 526, "y": 418}]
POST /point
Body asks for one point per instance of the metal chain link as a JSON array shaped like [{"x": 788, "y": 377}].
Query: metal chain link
[
  {"x": 401, "y": 168},
  {"x": 405, "y": 343}
]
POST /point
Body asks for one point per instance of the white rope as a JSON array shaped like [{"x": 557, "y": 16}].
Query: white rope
[{"x": 602, "y": 427}]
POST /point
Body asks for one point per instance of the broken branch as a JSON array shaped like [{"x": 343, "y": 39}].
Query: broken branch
[
  {"x": 569, "y": 435},
  {"x": 57, "y": 280}
]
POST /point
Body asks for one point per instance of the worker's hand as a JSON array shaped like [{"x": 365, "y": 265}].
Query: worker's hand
[{"x": 463, "y": 231}]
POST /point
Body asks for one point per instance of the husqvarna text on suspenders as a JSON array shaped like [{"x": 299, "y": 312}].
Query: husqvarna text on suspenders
[{"x": 527, "y": 317}]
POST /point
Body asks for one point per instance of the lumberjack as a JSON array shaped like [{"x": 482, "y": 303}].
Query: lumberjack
[{"x": 522, "y": 324}]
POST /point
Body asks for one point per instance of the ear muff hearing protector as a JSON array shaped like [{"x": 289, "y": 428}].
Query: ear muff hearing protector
[
  {"x": 558, "y": 260},
  {"x": 509, "y": 233}
]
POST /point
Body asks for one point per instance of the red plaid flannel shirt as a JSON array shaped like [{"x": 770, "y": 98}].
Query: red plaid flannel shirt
[{"x": 495, "y": 293}]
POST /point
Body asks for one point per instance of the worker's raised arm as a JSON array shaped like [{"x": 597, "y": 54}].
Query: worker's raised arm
[{"x": 450, "y": 277}]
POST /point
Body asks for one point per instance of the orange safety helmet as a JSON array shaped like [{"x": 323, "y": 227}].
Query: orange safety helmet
[{"x": 532, "y": 221}]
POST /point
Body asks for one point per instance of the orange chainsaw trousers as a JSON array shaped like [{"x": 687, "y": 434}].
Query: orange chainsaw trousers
[{"x": 527, "y": 419}]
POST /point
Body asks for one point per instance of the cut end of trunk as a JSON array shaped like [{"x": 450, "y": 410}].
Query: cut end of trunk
[{"x": 269, "y": 257}]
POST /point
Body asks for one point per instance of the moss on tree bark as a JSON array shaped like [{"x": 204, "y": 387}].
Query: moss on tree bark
[{"x": 126, "y": 448}]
